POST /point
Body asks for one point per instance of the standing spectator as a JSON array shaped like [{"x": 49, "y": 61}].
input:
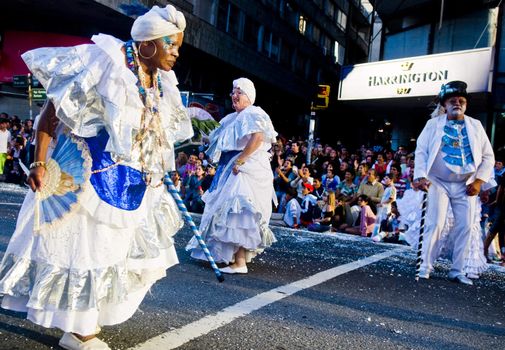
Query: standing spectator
[
  {"x": 13, "y": 171},
  {"x": 5, "y": 139},
  {"x": 453, "y": 158}
]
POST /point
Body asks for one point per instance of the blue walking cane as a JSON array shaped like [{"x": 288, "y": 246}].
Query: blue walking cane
[{"x": 173, "y": 191}]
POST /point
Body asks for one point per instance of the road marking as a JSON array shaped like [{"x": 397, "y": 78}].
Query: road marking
[
  {"x": 205, "y": 325},
  {"x": 13, "y": 204}
]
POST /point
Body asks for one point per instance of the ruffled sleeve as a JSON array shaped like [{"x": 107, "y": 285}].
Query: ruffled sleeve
[
  {"x": 91, "y": 88},
  {"x": 234, "y": 129}
]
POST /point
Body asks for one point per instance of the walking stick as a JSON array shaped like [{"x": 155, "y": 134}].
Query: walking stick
[
  {"x": 421, "y": 232},
  {"x": 173, "y": 191}
]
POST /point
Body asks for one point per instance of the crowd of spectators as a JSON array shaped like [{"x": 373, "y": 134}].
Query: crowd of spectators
[
  {"x": 16, "y": 145},
  {"x": 339, "y": 189}
]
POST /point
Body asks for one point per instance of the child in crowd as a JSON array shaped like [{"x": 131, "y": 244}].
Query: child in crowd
[{"x": 384, "y": 207}]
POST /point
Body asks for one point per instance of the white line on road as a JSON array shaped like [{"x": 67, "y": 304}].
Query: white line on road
[
  {"x": 13, "y": 204},
  {"x": 178, "y": 337}
]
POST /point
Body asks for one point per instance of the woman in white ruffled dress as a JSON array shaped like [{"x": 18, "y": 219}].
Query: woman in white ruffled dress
[
  {"x": 238, "y": 205},
  {"x": 120, "y": 103}
]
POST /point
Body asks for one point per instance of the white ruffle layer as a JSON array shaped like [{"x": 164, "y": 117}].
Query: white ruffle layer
[
  {"x": 87, "y": 267},
  {"x": 237, "y": 212}
]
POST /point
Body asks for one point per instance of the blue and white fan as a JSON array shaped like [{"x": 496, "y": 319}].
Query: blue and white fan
[{"x": 66, "y": 172}]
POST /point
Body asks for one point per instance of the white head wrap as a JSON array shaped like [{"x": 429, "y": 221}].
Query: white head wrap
[
  {"x": 246, "y": 86},
  {"x": 157, "y": 23}
]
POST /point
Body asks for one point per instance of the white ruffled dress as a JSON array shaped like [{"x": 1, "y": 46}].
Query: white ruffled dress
[
  {"x": 94, "y": 265},
  {"x": 409, "y": 207},
  {"x": 238, "y": 207}
]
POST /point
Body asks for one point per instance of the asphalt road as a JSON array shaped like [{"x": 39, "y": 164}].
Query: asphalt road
[{"x": 338, "y": 304}]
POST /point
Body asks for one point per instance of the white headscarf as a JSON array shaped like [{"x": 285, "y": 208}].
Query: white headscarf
[
  {"x": 157, "y": 23},
  {"x": 246, "y": 86}
]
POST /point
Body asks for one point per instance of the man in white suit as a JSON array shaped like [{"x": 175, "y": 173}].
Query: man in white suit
[{"x": 453, "y": 159}]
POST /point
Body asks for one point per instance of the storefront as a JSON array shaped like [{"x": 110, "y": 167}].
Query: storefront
[{"x": 393, "y": 98}]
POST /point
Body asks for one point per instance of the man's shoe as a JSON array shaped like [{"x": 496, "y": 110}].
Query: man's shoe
[
  {"x": 424, "y": 274},
  {"x": 71, "y": 342},
  {"x": 460, "y": 278},
  {"x": 231, "y": 270}
]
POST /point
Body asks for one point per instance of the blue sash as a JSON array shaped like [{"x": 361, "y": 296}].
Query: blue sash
[
  {"x": 223, "y": 161},
  {"x": 120, "y": 186}
]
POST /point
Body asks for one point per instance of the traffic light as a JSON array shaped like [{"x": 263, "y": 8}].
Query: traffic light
[{"x": 323, "y": 97}]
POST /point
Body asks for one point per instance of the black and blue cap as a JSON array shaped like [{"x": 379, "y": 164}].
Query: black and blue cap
[{"x": 452, "y": 88}]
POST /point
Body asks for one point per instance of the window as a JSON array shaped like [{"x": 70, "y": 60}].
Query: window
[
  {"x": 286, "y": 55},
  {"x": 413, "y": 42},
  {"x": 316, "y": 34},
  {"x": 251, "y": 32},
  {"x": 329, "y": 9},
  {"x": 302, "y": 25},
  {"x": 341, "y": 20},
  {"x": 339, "y": 53},
  {"x": 228, "y": 18}
]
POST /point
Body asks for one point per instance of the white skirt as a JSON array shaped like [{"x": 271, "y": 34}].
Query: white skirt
[
  {"x": 238, "y": 211},
  {"x": 94, "y": 266}
]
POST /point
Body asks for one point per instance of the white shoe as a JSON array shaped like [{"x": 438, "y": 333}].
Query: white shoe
[
  {"x": 71, "y": 342},
  {"x": 460, "y": 278},
  {"x": 424, "y": 274},
  {"x": 231, "y": 270}
]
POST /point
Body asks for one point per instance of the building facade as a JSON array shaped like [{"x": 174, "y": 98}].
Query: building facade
[
  {"x": 445, "y": 40},
  {"x": 287, "y": 47}
]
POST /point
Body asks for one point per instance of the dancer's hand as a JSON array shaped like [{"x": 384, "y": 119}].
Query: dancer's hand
[
  {"x": 35, "y": 178},
  {"x": 236, "y": 169},
  {"x": 473, "y": 189}
]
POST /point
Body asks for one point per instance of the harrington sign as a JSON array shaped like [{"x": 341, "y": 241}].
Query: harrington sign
[{"x": 416, "y": 76}]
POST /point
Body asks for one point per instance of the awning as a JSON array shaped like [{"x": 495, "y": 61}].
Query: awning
[{"x": 15, "y": 43}]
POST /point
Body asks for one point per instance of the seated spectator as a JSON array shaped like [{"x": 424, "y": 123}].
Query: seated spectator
[
  {"x": 324, "y": 221},
  {"x": 310, "y": 209},
  {"x": 389, "y": 228},
  {"x": 277, "y": 156},
  {"x": 194, "y": 191},
  {"x": 302, "y": 178},
  {"x": 203, "y": 159},
  {"x": 291, "y": 217},
  {"x": 399, "y": 182},
  {"x": 189, "y": 168},
  {"x": 283, "y": 177},
  {"x": 318, "y": 189},
  {"x": 330, "y": 181},
  {"x": 367, "y": 219},
  {"x": 380, "y": 166},
  {"x": 210, "y": 171},
  {"x": 372, "y": 188},
  {"x": 361, "y": 175},
  {"x": 180, "y": 162},
  {"x": 344, "y": 166},
  {"x": 176, "y": 179},
  {"x": 346, "y": 191}
]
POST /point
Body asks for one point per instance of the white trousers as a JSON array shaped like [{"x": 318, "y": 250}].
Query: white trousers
[{"x": 440, "y": 194}]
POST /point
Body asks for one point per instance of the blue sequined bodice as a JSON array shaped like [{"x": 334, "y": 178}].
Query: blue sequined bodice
[{"x": 455, "y": 144}]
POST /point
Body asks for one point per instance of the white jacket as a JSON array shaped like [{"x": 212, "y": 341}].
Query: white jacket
[{"x": 428, "y": 145}]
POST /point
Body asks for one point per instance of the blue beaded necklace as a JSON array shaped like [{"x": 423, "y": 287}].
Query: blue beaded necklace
[{"x": 134, "y": 66}]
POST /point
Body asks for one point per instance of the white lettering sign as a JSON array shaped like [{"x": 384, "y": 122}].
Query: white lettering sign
[{"x": 416, "y": 76}]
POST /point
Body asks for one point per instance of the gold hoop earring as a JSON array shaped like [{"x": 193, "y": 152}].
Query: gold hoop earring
[{"x": 154, "y": 53}]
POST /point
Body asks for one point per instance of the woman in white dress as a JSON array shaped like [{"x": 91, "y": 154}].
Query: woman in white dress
[
  {"x": 238, "y": 205},
  {"x": 93, "y": 264}
]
